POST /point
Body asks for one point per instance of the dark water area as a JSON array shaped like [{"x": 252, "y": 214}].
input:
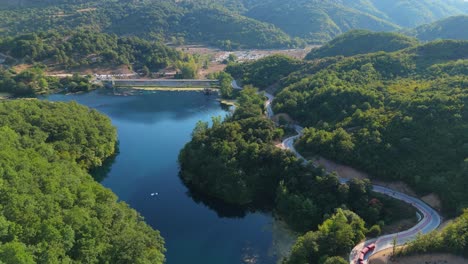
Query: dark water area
[{"x": 152, "y": 128}]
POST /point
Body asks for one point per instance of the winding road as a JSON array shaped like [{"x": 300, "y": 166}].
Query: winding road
[{"x": 429, "y": 221}]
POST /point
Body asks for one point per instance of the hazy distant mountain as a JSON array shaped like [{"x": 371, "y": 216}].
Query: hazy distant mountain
[
  {"x": 315, "y": 20},
  {"x": 226, "y": 23},
  {"x": 455, "y": 27},
  {"x": 320, "y": 20},
  {"x": 411, "y": 13}
]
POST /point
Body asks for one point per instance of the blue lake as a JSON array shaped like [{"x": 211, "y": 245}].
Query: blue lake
[{"x": 152, "y": 128}]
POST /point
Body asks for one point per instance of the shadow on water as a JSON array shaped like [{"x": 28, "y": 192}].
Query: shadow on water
[
  {"x": 101, "y": 172},
  {"x": 222, "y": 209}
]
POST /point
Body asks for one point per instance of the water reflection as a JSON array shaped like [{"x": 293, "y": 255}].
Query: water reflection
[
  {"x": 101, "y": 172},
  {"x": 222, "y": 209}
]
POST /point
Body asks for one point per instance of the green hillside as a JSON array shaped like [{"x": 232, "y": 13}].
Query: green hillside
[
  {"x": 89, "y": 48},
  {"x": 414, "y": 13},
  {"x": 407, "y": 107},
  {"x": 361, "y": 42},
  {"x": 240, "y": 23},
  {"x": 316, "y": 21},
  {"x": 449, "y": 28},
  {"x": 155, "y": 20}
]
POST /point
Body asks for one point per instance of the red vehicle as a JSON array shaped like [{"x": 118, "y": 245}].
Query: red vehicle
[{"x": 364, "y": 251}]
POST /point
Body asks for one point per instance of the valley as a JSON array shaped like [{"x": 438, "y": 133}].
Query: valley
[{"x": 233, "y": 131}]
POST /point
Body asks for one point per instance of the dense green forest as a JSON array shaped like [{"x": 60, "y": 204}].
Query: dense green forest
[
  {"x": 406, "y": 106},
  {"x": 33, "y": 81},
  {"x": 169, "y": 21},
  {"x": 264, "y": 72},
  {"x": 361, "y": 42},
  {"x": 453, "y": 238},
  {"x": 225, "y": 23},
  {"x": 52, "y": 210},
  {"x": 89, "y": 48},
  {"x": 449, "y": 28}
]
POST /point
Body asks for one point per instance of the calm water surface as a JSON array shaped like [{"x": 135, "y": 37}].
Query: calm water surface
[{"x": 152, "y": 128}]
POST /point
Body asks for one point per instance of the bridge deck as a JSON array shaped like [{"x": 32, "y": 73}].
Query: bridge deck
[{"x": 161, "y": 83}]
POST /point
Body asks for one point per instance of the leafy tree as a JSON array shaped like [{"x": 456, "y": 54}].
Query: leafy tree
[
  {"x": 225, "y": 84},
  {"x": 188, "y": 70},
  {"x": 335, "y": 260},
  {"x": 15, "y": 252},
  {"x": 336, "y": 236}
]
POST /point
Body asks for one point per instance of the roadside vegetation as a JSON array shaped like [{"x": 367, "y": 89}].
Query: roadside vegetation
[
  {"x": 52, "y": 210},
  {"x": 452, "y": 239},
  {"x": 225, "y": 84}
]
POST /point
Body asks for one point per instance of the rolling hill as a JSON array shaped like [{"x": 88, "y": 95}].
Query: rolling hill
[
  {"x": 454, "y": 27},
  {"x": 360, "y": 42},
  {"x": 241, "y": 23}
]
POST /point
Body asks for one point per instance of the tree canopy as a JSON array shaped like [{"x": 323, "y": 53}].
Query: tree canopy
[
  {"x": 90, "y": 48},
  {"x": 228, "y": 24},
  {"x": 335, "y": 236},
  {"x": 52, "y": 211},
  {"x": 407, "y": 107}
]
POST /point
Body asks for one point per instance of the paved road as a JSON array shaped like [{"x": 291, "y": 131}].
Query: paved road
[
  {"x": 430, "y": 218},
  {"x": 429, "y": 221},
  {"x": 235, "y": 86}
]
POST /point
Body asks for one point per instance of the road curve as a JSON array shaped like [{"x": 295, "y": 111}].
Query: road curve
[{"x": 429, "y": 221}]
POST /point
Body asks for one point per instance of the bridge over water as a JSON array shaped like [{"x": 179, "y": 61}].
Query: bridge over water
[{"x": 178, "y": 83}]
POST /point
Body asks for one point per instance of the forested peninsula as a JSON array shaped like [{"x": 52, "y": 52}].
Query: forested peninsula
[
  {"x": 52, "y": 210},
  {"x": 236, "y": 161},
  {"x": 405, "y": 105}
]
